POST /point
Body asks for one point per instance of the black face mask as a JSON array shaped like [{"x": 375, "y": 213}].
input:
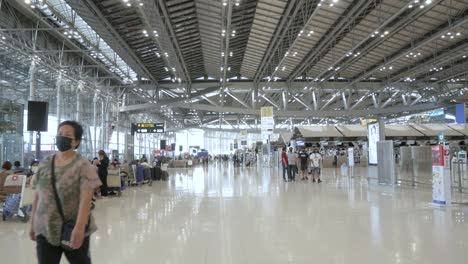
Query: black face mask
[{"x": 63, "y": 143}]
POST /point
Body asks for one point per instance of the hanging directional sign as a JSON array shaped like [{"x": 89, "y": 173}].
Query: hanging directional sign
[
  {"x": 148, "y": 127},
  {"x": 268, "y": 122}
]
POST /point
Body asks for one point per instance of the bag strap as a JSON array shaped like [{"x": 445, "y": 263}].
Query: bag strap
[{"x": 57, "y": 199}]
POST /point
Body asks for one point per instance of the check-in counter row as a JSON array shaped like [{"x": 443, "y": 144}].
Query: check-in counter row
[{"x": 328, "y": 161}]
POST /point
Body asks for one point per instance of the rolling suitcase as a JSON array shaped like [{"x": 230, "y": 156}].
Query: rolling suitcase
[
  {"x": 139, "y": 174},
  {"x": 147, "y": 174},
  {"x": 157, "y": 173}
]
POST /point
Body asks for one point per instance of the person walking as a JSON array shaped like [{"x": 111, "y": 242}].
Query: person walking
[
  {"x": 292, "y": 164},
  {"x": 103, "y": 165},
  {"x": 284, "y": 162},
  {"x": 315, "y": 164},
  {"x": 61, "y": 220}
]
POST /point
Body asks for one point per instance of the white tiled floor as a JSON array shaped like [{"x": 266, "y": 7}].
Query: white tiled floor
[{"x": 248, "y": 215}]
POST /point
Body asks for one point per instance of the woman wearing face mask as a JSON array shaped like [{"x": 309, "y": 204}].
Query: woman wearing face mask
[
  {"x": 75, "y": 180},
  {"x": 32, "y": 171},
  {"x": 33, "y": 168}
]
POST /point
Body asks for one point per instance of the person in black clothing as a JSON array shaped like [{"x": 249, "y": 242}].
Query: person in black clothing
[
  {"x": 304, "y": 158},
  {"x": 18, "y": 168},
  {"x": 103, "y": 165}
]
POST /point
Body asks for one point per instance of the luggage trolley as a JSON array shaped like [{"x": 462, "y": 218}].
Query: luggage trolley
[
  {"x": 113, "y": 180},
  {"x": 17, "y": 197}
]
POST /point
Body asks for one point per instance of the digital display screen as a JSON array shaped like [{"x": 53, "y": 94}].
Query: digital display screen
[
  {"x": 373, "y": 137},
  {"x": 149, "y": 127},
  {"x": 300, "y": 143}
]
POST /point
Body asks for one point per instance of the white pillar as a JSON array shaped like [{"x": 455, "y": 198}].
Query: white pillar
[
  {"x": 78, "y": 108},
  {"x": 59, "y": 97},
  {"x": 95, "y": 99},
  {"x": 32, "y": 96},
  {"x": 103, "y": 124},
  {"x": 117, "y": 128}
]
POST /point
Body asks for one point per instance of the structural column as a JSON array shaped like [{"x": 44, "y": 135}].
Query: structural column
[
  {"x": 117, "y": 128},
  {"x": 103, "y": 124},
  {"x": 32, "y": 96},
  {"x": 59, "y": 97},
  {"x": 78, "y": 101},
  {"x": 95, "y": 99}
]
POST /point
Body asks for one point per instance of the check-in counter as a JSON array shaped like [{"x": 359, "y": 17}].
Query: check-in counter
[
  {"x": 178, "y": 163},
  {"x": 328, "y": 162}
]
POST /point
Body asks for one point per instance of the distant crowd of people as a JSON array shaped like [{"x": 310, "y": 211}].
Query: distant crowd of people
[{"x": 302, "y": 163}]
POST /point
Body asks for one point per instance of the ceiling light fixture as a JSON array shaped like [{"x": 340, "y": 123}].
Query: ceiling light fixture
[{"x": 413, "y": 54}]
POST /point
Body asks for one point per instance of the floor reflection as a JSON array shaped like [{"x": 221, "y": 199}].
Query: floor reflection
[{"x": 225, "y": 214}]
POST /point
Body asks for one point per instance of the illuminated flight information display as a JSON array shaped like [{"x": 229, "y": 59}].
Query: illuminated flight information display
[{"x": 149, "y": 127}]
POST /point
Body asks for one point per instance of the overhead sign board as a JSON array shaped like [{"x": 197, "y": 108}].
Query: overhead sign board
[
  {"x": 244, "y": 134},
  {"x": 148, "y": 127},
  {"x": 268, "y": 122},
  {"x": 7, "y": 127}
]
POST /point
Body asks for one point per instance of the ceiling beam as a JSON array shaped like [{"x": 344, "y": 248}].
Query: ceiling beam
[
  {"x": 330, "y": 101},
  {"x": 175, "y": 43},
  {"x": 419, "y": 68},
  {"x": 97, "y": 14},
  {"x": 357, "y": 11},
  {"x": 306, "y": 105},
  {"x": 414, "y": 45},
  {"x": 393, "y": 25},
  {"x": 315, "y": 100},
  {"x": 345, "y": 100},
  {"x": 271, "y": 101},
  {"x": 238, "y": 100},
  {"x": 280, "y": 32},
  {"x": 226, "y": 25},
  {"x": 168, "y": 102},
  {"x": 360, "y": 100},
  {"x": 389, "y": 100},
  {"x": 210, "y": 101},
  {"x": 309, "y": 114}
]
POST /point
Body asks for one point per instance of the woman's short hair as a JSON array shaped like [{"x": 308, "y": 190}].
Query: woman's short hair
[
  {"x": 76, "y": 127},
  {"x": 6, "y": 165}
]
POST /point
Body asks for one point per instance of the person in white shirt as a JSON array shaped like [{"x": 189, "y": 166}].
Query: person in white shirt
[
  {"x": 315, "y": 165},
  {"x": 292, "y": 164}
]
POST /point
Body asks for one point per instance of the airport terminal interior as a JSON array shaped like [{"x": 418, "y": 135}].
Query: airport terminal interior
[{"x": 243, "y": 131}]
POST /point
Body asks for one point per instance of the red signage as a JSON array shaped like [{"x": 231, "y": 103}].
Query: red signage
[
  {"x": 157, "y": 152},
  {"x": 438, "y": 155}
]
